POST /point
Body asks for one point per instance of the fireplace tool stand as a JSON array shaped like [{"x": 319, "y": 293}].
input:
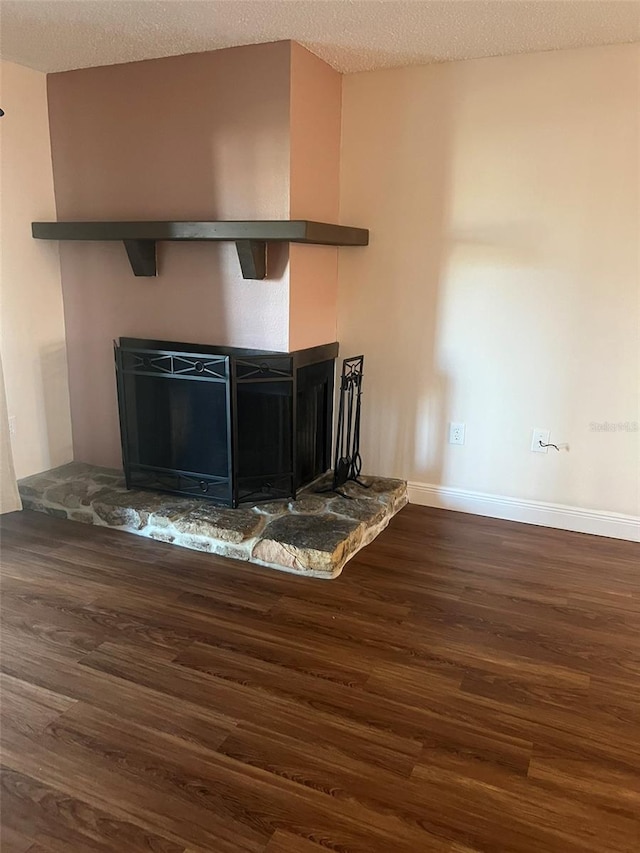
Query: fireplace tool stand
[{"x": 347, "y": 461}]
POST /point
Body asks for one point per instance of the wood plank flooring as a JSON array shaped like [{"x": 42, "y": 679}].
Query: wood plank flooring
[{"x": 466, "y": 685}]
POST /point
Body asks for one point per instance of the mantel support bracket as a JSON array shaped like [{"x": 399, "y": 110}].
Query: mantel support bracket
[
  {"x": 142, "y": 256},
  {"x": 252, "y": 255}
]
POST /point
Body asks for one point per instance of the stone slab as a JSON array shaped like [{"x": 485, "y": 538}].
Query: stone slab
[
  {"x": 308, "y": 543},
  {"x": 314, "y": 535}
]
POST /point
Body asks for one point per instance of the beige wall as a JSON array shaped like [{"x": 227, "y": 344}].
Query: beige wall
[
  {"x": 32, "y": 324},
  {"x": 500, "y": 288}
]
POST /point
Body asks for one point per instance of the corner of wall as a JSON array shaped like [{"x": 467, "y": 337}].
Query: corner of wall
[
  {"x": 315, "y": 127},
  {"x": 33, "y": 329}
]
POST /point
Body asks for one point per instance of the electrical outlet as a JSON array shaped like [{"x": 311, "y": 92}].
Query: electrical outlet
[
  {"x": 456, "y": 433},
  {"x": 12, "y": 425},
  {"x": 540, "y": 436}
]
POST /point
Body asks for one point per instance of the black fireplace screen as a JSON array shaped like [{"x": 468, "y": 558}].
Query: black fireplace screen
[{"x": 222, "y": 423}]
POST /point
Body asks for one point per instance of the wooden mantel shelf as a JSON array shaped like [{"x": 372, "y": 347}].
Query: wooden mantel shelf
[{"x": 250, "y": 237}]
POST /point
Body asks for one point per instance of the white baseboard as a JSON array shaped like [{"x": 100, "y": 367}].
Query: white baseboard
[{"x": 594, "y": 521}]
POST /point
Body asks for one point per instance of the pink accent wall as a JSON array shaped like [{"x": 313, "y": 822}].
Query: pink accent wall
[
  {"x": 316, "y": 102},
  {"x": 201, "y": 136}
]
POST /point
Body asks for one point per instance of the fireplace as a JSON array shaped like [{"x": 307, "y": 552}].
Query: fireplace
[{"x": 227, "y": 424}]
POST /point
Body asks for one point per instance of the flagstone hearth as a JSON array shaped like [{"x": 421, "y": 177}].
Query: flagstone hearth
[{"x": 314, "y": 535}]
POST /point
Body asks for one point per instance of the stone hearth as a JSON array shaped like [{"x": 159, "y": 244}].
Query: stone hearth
[{"x": 314, "y": 535}]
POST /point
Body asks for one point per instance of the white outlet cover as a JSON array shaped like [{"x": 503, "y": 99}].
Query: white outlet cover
[
  {"x": 540, "y": 436},
  {"x": 456, "y": 433}
]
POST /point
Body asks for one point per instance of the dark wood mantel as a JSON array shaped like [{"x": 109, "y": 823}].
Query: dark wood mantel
[{"x": 251, "y": 237}]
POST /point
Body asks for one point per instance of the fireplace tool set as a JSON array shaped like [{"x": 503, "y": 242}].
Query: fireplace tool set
[{"x": 347, "y": 459}]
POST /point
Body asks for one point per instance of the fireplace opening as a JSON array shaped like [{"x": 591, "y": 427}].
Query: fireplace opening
[{"x": 227, "y": 424}]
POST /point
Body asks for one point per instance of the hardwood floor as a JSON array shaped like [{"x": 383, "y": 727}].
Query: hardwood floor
[{"x": 465, "y": 685}]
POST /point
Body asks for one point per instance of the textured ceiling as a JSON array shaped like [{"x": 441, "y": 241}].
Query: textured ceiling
[{"x": 351, "y": 35}]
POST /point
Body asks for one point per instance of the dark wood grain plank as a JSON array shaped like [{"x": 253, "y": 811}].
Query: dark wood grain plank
[
  {"x": 605, "y": 787},
  {"x": 28, "y": 706},
  {"x": 286, "y": 842},
  {"x": 255, "y": 802},
  {"x": 393, "y": 751},
  {"x": 49, "y": 674},
  {"x": 467, "y": 685},
  {"x": 528, "y": 817},
  {"x": 64, "y": 822},
  {"x": 80, "y": 775},
  {"x": 14, "y": 840}
]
